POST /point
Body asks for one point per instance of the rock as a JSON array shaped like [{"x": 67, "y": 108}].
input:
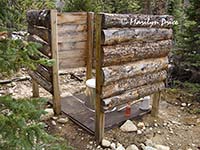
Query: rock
[
  {"x": 54, "y": 118},
  {"x": 198, "y": 120},
  {"x": 132, "y": 147},
  {"x": 63, "y": 120},
  {"x": 128, "y": 126},
  {"x": 183, "y": 104},
  {"x": 113, "y": 146},
  {"x": 139, "y": 132},
  {"x": 120, "y": 148},
  {"x": 149, "y": 142},
  {"x": 48, "y": 115},
  {"x": 159, "y": 132},
  {"x": 105, "y": 143},
  {"x": 155, "y": 124},
  {"x": 189, "y": 149},
  {"x": 141, "y": 125},
  {"x": 119, "y": 144},
  {"x": 53, "y": 123},
  {"x": 162, "y": 147},
  {"x": 149, "y": 148}
]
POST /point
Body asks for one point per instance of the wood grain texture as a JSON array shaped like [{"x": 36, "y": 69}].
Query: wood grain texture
[
  {"x": 44, "y": 73},
  {"x": 72, "y": 18},
  {"x": 45, "y": 47},
  {"x": 119, "y": 87},
  {"x": 136, "y": 20},
  {"x": 132, "y": 51},
  {"x": 115, "y": 73},
  {"x": 115, "y": 36},
  {"x": 64, "y": 28},
  {"x": 71, "y": 54},
  {"x": 72, "y": 37},
  {"x": 41, "y": 81},
  {"x": 72, "y": 63},
  {"x": 155, "y": 103},
  {"x": 38, "y": 18},
  {"x": 69, "y": 46},
  {"x": 132, "y": 95},
  {"x": 41, "y": 32}
]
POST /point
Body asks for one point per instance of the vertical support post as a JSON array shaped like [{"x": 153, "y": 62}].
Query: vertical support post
[
  {"x": 55, "y": 75},
  {"x": 155, "y": 105},
  {"x": 35, "y": 88},
  {"x": 100, "y": 116},
  {"x": 90, "y": 46}
]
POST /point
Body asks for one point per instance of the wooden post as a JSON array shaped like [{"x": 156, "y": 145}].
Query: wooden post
[
  {"x": 90, "y": 31},
  {"x": 54, "y": 49},
  {"x": 100, "y": 117},
  {"x": 155, "y": 105},
  {"x": 35, "y": 88}
]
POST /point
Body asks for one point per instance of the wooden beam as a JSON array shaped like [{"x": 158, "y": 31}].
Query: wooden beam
[
  {"x": 35, "y": 88},
  {"x": 90, "y": 40},
  {"x": 100, "y": 117},
  {"x": 54, "y": 49},
  {"x": 155, "y": 105}
]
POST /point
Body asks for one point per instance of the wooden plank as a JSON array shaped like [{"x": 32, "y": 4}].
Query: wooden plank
[
  {"x": 43, "y": 33},
  {"x": 69, "y": 46},
  {"x": 115, "y": 73},
  {"x": 41, "y": 81},
  {"x": 71, "y": 54},
  {"x": 54, "y": 49},
  {"x": 72, "y": 63},
  {"x": 45, "y": 47},
  {"x": 44, "y": 72},
  {"x": 132, "y": 95},
  {"x": 38, "y": 18},
  {"x": 90, "y": 46},
  {"x": 132, "y": 51},
  {"x": 155, "y": 106},
  {"x": 63, "y": 28},
  {"x": 100, "y": 117},
  {"x": 115, "y": 36},
  {"x": 35, "y": 88},
  {"x": 136, "y": 20},
  {"x": 72, "y": 18},
  {"x": 72, "y": 37},
  {"x": 119, "y": 87}
]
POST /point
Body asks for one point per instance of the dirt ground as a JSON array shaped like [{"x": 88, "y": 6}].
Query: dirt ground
[{"x": 178, "y": 126}]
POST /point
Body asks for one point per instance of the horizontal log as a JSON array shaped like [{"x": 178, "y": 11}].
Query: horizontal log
[
  {"x": 68, "y": 46},
  {"x": 72, "y": 37},
  {"x": 63, "y": 28},
  {"x": 71, "y": 54},
  {"x": 115, "y": 73},
  {"x": 132, "y": 51},
  {"x": 72, "y": 63},
  {"x": 45, "y": 48},
  {"x": 41, "y": 81},
  {"x": 115, "y": 36},
  {"x": 136, "y": 20},
  {"x": 123, "y": 85},
  {"x": 72, "y": 18},
  {"x": 43, "y": 33},
  {"x": 39, "y": 18},
  {"x": 132, "y": 95},
  {"x": 44, "y": 73}
]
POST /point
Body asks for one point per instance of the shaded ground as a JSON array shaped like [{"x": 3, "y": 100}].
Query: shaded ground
[{"x": 176, "y": 126}]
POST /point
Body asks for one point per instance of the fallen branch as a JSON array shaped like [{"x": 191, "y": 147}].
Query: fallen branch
[{"x": 17, "y": 79}]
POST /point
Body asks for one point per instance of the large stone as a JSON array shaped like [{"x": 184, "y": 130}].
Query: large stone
[
  {"x": 149, "y": 148},
  {"x": 113, "y": 146},
  {"x": 141, "y": 125},
  {"x": 105, "y": 143},
  {"x": 120, "y": 148},
  {"x": 162, "y": 147},
  {"x": 128, "y": 126},
  {"x": 132, "y": 147},
  {"x": 48, "y": 115}
]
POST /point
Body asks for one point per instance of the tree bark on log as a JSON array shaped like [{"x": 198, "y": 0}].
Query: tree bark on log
[
  {"x": 115, "y": 73},
  {"x": 129, "y": 52},
  {"x": 45, "y": 48},
  {"x": 132, "y": 95},
  {"x": 38, "y": 18},
  {"x": 41, "y": 81},
  {"x": 43, "y": 33},
  {"x": 115, "y": 36},
  {"x": 133, "y": 20},
  {"x": 123, "y": 85}
]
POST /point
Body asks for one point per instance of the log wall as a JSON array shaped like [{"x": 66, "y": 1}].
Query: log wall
[{"x": 134, "y": 51}]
